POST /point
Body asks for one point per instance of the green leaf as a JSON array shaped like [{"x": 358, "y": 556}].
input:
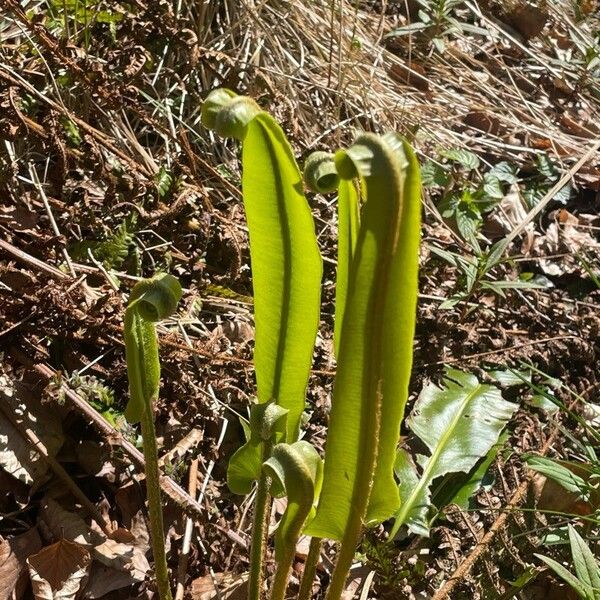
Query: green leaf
[
  {"x": 320, "y": 173},
  {"x": 286, "y": 268},
  {"x": 348, "y": 224},
  {"x": 267, "y": 425},
  {"x": 582, "y": 590},
  {"x": 459, "y": 423},
  {"x": 558, "y": 473},
  {"x": 112, "y": 251},
  {"x": 564, "y": 194},
  {"x": 467, "y": 222},
  {"x": 432, "y": 173},
  {"x": 164, "y": 181},
  {"x": 375, "y": 352},
  {"x": 459, "y": 488},
  {"x": 465, "y": 158},
  {"x": 509, "y": 377},
  {"x": 505, "y": 171},
  {"x": 285, "y": 259},
  {"x": 406, "y": 472},
  {"x": 492, "y": 186},
  {"x": 586, "y": 566},
  {"x": 546, "y": 166},
  {"x": 298, "y": 470},
  {"x": 516, "y": 284}
]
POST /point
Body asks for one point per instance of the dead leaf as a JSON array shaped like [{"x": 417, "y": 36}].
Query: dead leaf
[
  {"x": 568, "y": 235},
  {"x": 17, "y": 456},
  {"x": 509, "y": 214},
  {"x": 103, "y": 580},
  {"x": 549, "y": 495},
  {"x": 527, "y": 19},
  {"x": 483, "y": 121},
  {"x": 358, "y": 578},
  {"x": 226, "y": 586},
  {"x": 111, "y": 553},
  {"x": 13, "y": 557},
  {"x": 59, "y": 570}
]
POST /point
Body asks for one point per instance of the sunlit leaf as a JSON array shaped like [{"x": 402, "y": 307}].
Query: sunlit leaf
[
  {"x": 375, "y": 355},
  {"x": 459, "y": 423}
]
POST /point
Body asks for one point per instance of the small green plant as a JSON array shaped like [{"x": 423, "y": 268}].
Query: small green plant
[
  {"x": 113, "y": 250},
  {"x": 436, "y": 20},
  {"x": 98, "y": 395},
  {"x": 151, "y": 300},
  {"x": 586, "y": 581}
]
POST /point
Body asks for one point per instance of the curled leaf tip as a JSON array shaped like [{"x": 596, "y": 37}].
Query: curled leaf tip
[
  {"x": 227, "y": 113},
  {"x": 156, "y": 298},
  {"x": 320, "y": 173}
]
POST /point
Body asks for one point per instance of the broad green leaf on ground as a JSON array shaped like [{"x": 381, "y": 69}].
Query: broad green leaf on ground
[
  {"x": 375, "y": 353},
  {"x": 406, "y": 471},
  {"x": 459, "y": 488},
  {"x": 459, "y": 423}
]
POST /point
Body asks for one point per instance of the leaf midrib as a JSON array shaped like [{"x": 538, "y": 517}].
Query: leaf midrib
[{"x": 433, "y": 459}]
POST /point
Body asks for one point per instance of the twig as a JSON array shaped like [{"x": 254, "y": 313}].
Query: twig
[
  {"x": 40, "y": 189},
  {"x": 187, "y": 537},
  {"x": 500, "y": 350},
  {"x": 25, "y": 258}
]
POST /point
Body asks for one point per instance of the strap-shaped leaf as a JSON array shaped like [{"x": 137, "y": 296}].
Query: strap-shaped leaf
[
  {"x": 320, "y": 175},
  {"x": 375, "y": 351},
  {"x": 297, "y": 470},
  {"x": 459, "y": 423},
  {"x": 348, "y": 224},
  {"x": 585, "y": 563},
  {"x": 151, "y": 300},
  {"x": 286, "y": 264}
]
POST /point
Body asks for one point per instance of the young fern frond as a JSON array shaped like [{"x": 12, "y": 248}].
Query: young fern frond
[
  {"x": 151, "y": 300},
  {"x": 375, "y": 347},
  {"x": 321, "y": 176},
  {"x": 296, "y": 470}
]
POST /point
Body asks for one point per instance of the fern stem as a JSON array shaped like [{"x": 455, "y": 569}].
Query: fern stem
[
  {"x": 259, "y": 534},
  {"x": 155, "y": 504},
  {"x": 310, "y": 568}
]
